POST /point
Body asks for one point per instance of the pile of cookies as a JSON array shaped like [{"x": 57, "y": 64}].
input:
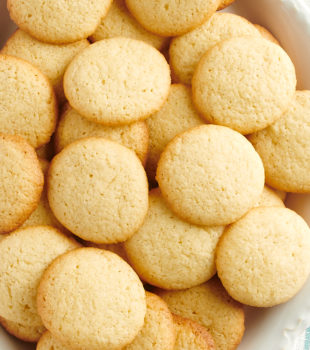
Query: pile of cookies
[{"x": 138, "y": 141}]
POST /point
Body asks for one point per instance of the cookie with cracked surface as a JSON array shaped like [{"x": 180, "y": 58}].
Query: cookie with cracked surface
[
  {"x": 25, "y": 254},
  {"x": 210, "y": 175},
  {"x": 171, "y": 18},
  {"x": 177, "y": 115},
  {"x": 186, "y": 50},
  {"x": 263, "y": 259},
  {"x": 117, "y": 81},
  {"x": 21, "y": 182},
  {"x": 284, "y": 147},
  {"x": 107, "y": 300},
  {"x": 72, "y": 126},
  {"x": 98, "y": 190},
  {"x": 170, "y": 253},
  {"x": 58, "y": 22},
  {"x": 51, "y": 60},
  {"x": 210, "y": 306},
  {"x": 28, "y": 105},
  {"x": 119, "y": 22},
  {"x": 226, "y": 92},
  {"x": 191, "y": 336}
]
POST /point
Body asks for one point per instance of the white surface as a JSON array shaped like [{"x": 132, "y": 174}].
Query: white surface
[{"x": 282, "y": 327}]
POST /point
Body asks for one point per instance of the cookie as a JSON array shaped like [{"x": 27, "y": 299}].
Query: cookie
[
  {"x": 119, "y": 22},
  {"x": 158, "y": 331},
  {"x": 210, "y": 306},
  {"x": 117, "y": 81},
  {"x": 225, "y": 3},
  {"x": 116, "y": 248},
  {"x": 269, "y": 198},
  {"x": 285, "y": 147},
  {"x": 98, "y": 190},
  {"x": 226, "y": 91},
  {"x": 107, "y": 300},
  {"x": 187, "y": 50},
  {"x": 48, "y": 342},
  {"x": 21, "y": 182},
  {"x": 24, "y": 332},
  {"x": 72, "y": 126},
  {"x": 176, "y": 116},
  {"x": 281, "y": 194},
  {"x": 263, "y": 259},
  {"x": 58, "y": 22},
  {"x": 210, "y": 175},
  {"x": 27, "y": 101},
  {"x": 171, "y": 18},
  {"x": 191, "y": 335},
  {"x": 266, "y": 34},
  {"x": 24, "y": 255},
  {"x": 51, "y": 60},
  {"x": 170, "y": 253}
]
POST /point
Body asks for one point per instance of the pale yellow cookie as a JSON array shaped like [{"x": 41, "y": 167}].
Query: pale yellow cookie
[
  {"x": 170, "y": 253},
  {"x": 281, "y": 194},
  {"x": 169, "y": 17},
  {"x": 176, "y": 116},
  {"x": 27, "y": 101},
  {"x": 72, "y": 126},
  {"x": 58, "y": 21},
  {"x": 211, "y": 306},
  {"x": 98, "y": 190},
  {"x": 21, "y": 182},
  {"x": 24, "y": 332},
  {"x": 285, "y": 147},
  {"x": 244, "y": 83},
  {"x": 186, "y": 50},
  {"x": 117, "y": 248},
  {"x": 266, "y": 34},
  {"x": 269, "y": 198},
  {"x": 210, "y": 175},
  {"x": 158, "y": 331},
  {"x": 24, "y": 255},
  {"x": 119, "y": 22},
  {"x": 107, "y": 300},
  {"x": 263, "y": 259},
  {"x": 225, "y": 3},
  {"x": 191, "y": 335},
  {"x": 117, "y": 81},
  {"x": 52, "y": 60},
  {"x": 48, "y": 342}
]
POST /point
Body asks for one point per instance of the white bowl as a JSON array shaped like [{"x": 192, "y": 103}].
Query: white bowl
[{"x": 287, "y": 326}]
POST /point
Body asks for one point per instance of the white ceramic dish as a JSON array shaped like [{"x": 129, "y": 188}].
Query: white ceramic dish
[{"x": 285, "y": 327}]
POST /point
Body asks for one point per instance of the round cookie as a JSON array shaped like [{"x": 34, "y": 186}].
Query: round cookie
[
  {"x": 285, "y": 147},
  {"x": 225, "y": 3},
  {"x": 171, "y": 18},
  {"x": 158, "y": 331},
  {"x": 170, "y": 253},
  {"x": 98, "y": 190},
  {"x": 119, "y": 22},
  {"x": 281, "y": 194},
  {"x": 269, "y": 198},
  {"x": 177, "y": 115},
  {"x": 107, "y": 300},
  {"x": 266, "y": 34},
  {"x": 191, "y": 335},
  {"x": 24, "y": 255},
  {"x": 72, "y": 126},
  {"x": 186, "y": 50},
  {"x": 210, "y": 306},
  {"x": 48, "y": 342},
  {"x": 116, "y": 248},
  {"x": 27, "y": 101},
  {"x": 117, "y": 81},
  {"x": 263, "y": 259},
  {"x": 21, "y": 182},
  {"x": 56, "y": 21},
  {"x": 210, "y": 175},
  {"x": 51, "y": 60},
  {"x": 24, "y": 332},
  {"x": 226, "y": 91}
]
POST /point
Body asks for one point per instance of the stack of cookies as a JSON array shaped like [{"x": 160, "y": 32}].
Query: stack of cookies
[{"x": 146, "y": 150}]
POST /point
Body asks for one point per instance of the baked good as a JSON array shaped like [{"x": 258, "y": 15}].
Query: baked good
[
  {"x": 48, "y": 342},
  {"x": 266, "y": 34},
  {"x": 225, "y": 3},
  {"x": 269, "y": 198}
]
